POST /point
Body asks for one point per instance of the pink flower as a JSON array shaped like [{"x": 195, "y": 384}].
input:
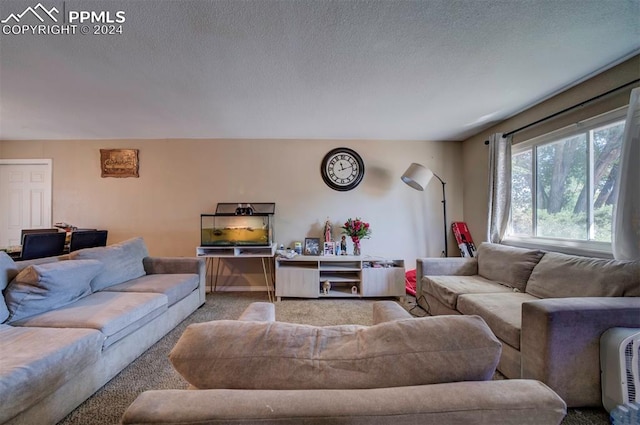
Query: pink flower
[{"x": 357, "y": 229}]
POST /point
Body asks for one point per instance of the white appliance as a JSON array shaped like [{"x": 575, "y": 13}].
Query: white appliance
[{"x": 620, "y": 367}]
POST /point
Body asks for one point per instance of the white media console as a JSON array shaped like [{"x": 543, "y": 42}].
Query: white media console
[{"x": 303, "y": 277}]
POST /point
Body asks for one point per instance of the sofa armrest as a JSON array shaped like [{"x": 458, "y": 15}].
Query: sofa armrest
[
  {"x": 461, "y": 266},
  {"x": 508, "y": 402},
  {"x": 259, "y": 312},
  {"x": 560, "y": 342},
  {"x": 436, "y": 266},
  {"x": 172, "y": 265},
  {"x": 179, "y": 265},
  {"x": 386, "y": 311}
]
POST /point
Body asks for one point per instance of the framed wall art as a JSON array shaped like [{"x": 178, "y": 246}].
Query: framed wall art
[{"x": 119, "y": 162}]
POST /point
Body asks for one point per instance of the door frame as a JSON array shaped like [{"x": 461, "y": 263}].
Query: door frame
[{"x": 40, "y": 161}]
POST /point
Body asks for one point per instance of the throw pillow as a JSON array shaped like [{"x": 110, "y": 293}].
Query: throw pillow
[
  {"x": 8, "y": 271},
  {"x": 507, "y": 265},
  {"x": 561, "y": 275},
  {"x": 122, "y": 262},
  {"x": 44, "y": 287},
  {"x": 280, "y": 356}
]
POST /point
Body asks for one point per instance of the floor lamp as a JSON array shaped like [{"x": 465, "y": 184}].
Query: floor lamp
[{"x": 418, "y": 176}]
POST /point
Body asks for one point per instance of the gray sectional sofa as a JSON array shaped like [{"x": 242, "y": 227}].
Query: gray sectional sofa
[
  {"x": 548, "y": 309},
  {"x": 69, "y": 324},
  {"x": 401, "y": 370}
]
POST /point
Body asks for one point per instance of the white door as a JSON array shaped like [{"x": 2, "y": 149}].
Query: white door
[{"x": 25, "y": 197}]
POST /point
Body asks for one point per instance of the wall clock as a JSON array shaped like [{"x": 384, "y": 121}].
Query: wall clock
[{"x": 342, "y": 169}]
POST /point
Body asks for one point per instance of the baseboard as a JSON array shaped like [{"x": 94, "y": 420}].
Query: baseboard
[{"x": 246, "y": 288}]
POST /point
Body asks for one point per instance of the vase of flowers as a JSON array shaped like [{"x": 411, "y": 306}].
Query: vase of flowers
[{"x": 357, "y": 230}]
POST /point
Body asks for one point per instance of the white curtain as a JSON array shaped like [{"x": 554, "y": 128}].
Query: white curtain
[
  {"x": 499, "y": 186},
  {"x": 626, "y": 213}
]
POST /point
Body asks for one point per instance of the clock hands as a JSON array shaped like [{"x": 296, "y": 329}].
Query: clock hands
[{"x": 342, "y": 167}]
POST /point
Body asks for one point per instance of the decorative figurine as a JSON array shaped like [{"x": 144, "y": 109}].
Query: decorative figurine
[
  {"x": 343, "y": 245},
  {"x": 326, "y": 287},
  {"x": 327, "y": 231}
]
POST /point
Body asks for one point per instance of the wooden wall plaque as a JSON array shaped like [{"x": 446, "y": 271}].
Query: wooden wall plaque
[{"x": 119, "y": 162}]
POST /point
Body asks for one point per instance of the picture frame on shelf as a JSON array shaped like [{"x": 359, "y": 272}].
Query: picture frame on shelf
[
  {"x": 311, "y": 246},
  {"x": 329, "y": 248}
]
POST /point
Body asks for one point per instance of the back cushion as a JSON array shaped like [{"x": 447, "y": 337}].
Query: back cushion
[
  {"x": 277, "y": 355},
  {"x": 8, "y": 270},
  {"x": 45, "y": 287},
  {"x": 122, "y": 262},
  {"x": 560, "y": 275},
  {"x": 507, "y": 265}
]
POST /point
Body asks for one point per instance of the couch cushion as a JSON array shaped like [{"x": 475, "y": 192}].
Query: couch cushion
[
  {"x": 8, "y": 270},
  {"x": 502, "y": 312},
  {"x": 23, "y": 264},
  {"x": 122, "y": 262},
  {"x": 35, "y": 362},
  {"x": 276, "y": 355},
  {"x": 508, "y": 265},
  {"x": 560, "y": 276},
  {"x": 45, "y": 287},
  {"x": 11, "y": 270},
  {"x": 446, "y": 289},
  {"x": 115, "y": 314},
  {"x": 174, "y": 286}
]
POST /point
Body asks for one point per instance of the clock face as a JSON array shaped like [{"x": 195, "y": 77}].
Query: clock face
[{"x": 342, "y": 169}]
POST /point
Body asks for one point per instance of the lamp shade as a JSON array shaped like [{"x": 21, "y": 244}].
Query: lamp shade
[{"x": 417, "y": 176}]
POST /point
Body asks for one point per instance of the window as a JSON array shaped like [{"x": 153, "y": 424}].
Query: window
[{"x": 563, "y": 185}]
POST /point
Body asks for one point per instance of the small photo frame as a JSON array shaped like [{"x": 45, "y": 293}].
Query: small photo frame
[
  {"x": 329, "y": 248},
  {"x": 311, "y": 246}
]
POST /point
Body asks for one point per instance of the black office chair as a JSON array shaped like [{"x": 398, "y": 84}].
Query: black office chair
[
  {"x": 87, "y": 239},
  {"x": 31, "y": 231},
  {"x": 39, "y": 245}
]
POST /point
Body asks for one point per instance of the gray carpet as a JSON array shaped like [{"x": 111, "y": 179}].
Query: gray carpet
[{"x": 152, "y": 370}]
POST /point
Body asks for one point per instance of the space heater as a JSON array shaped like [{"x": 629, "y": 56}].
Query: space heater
[{"x": 620, "y": 367}]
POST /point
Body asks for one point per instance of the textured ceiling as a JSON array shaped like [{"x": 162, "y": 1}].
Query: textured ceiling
[{"x": 315, "y": 69}]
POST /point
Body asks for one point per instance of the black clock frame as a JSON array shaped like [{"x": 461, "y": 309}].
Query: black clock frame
[{"x": 331, "y": 183}]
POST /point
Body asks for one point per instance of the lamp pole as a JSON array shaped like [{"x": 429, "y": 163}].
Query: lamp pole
[
  {"x": 444, "y": 214},
  {"x": 418, "y": 176}
]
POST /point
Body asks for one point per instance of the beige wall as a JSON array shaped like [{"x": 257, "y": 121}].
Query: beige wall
[
  {"x": 475, "y": 152},
  {"x": 181, "y": 179}
]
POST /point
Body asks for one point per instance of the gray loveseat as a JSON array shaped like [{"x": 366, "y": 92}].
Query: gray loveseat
[
  {"x": 401, "y": 370},
  {"x": 69, "y": 324},
  {"x": 548, "y": 309}
]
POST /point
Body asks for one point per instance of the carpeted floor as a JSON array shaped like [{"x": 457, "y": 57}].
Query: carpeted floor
[{"x": 153, "y": 370}]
